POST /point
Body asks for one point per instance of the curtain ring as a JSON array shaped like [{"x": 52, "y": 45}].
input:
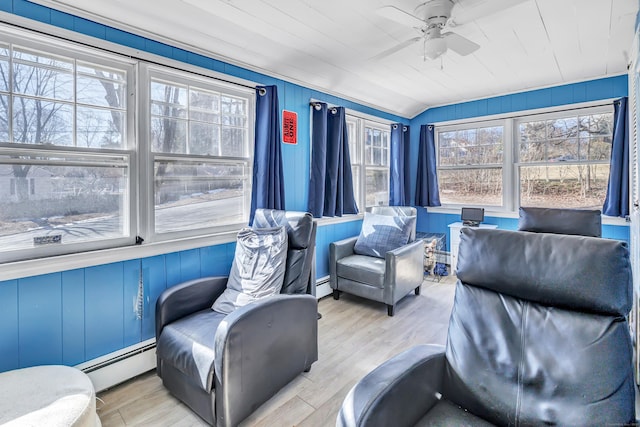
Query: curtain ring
[
  {"x": 404, "y": 128},
  {"x": 262, "y": 91},
  {"x": 430, "y": 127},
  {"x": 317, "y": 106},
  {"x": 394, "y": 126},
  {"x": 334, "y": 110}
]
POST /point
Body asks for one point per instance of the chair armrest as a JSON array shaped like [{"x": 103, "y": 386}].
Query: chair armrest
[
  {"x": 397, "y": 393},
  {"x": 187, "y": 298},
  {"x": 259, "y": 349},
  {"x": 338, "y": 250},
  {"x": 408, "y": 250},
  {"x": 342, "y": 248},
  {"x": 405, "y": 269}
]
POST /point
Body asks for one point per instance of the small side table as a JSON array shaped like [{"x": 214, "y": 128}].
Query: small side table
[{"x": 454, "y": 235}]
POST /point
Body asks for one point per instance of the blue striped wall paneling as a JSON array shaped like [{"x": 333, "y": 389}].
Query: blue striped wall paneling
[
  {"x": 40, "y": 319},
  {"x": 73, "y": 317}
]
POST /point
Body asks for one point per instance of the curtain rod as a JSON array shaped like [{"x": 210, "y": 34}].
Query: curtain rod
[
  {"x": 316, "y": 105},
  {"x": 357, "y": 113}
]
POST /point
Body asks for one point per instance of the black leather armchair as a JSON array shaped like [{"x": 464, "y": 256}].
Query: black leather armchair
[
  {"x": 537, "y": 336},
  {"x": 385, "y": 280},
  {"x": 225, "y": 366},
  {"x": 579, "y": 222}
]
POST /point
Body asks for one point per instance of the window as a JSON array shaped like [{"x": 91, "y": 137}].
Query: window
[
  {"x": 77, "y": 173},
  {"x": 558, "y": 159},
  {"x": 369, "y": 143},
  {"x": 65, "y": 149},
  {"x": 471, "y": 165},
  {"x": 564, "y": 160},
  {"x": 199, "y": 133}
]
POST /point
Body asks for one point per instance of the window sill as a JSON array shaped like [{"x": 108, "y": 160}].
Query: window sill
[
  {"x": 606, "y": 220},
  {"x": 328, "y": 220},
  {"x": 35, "y": 267}
]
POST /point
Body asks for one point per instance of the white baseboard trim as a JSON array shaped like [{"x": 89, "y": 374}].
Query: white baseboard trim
[{"x": 122, "y": 365}]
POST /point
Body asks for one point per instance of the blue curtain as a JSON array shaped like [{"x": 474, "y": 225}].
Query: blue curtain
[
  {"x": 617, "y": 201},
  {"x": 399, "y": 185},
  {"x": 318, "y": 159},
  {"x": 427, "y": 193},
  {"x": 407, "y": 167},
  {"x": 331, "y": 185},
  {"x": 268, "y": 179}
]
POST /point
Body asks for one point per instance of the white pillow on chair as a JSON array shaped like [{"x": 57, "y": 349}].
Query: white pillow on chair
[{"x": 258, "y": 268}]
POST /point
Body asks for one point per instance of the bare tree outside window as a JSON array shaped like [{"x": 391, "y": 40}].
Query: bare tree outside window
[
  {"x": 565, "y": 161},
  {"x": 199, "y": 137},
  {"x": 558, "y": 159},
  {"x": 47, "y": 102},
  {"x": 470, "y": 166}
]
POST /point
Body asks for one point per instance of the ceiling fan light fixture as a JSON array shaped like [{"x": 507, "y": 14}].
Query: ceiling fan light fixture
[{"x": 434, "y": 47}]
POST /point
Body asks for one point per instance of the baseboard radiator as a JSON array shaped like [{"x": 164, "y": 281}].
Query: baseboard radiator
[
  {"x": 322, "y": 287},
  {"x": 122, "y": 365}
]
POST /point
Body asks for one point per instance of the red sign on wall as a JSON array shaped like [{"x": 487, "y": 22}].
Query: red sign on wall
[{"x": 289, "y": 127}]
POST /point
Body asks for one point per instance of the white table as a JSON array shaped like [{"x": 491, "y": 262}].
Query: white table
[{"x": 454, "y": 239}]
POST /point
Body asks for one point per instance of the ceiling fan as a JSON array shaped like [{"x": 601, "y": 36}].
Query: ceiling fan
[{"x": 430, "y": 19}]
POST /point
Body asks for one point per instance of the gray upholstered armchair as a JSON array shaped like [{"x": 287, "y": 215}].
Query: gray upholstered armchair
[
  {"x": 580, "y": 222},
  {"x": 537, "y": 336},
  {"x": 224, "y": 366},
  {"x": 386, "y": 277}
]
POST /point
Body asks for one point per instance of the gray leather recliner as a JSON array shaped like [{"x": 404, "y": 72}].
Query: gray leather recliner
[
  {"x": 385, "y": 280},
  {"x": 538, "y": 335},
  {"x": 579, "y": 222},
  {"x": 225, "y": 366}
]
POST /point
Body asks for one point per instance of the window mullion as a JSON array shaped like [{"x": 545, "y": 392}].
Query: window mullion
[{"x": 510, "y": 189}]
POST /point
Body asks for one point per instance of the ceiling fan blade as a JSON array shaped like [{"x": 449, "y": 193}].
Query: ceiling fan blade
[
  {"x": 464, "y": 13},
  {"x": 461, "y": 45},
  {"x": 396, "y": 48},
  {"x": 400, "y": 16}
]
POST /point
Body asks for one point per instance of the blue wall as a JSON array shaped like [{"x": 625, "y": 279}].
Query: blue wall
[
  {"x": 594, "y": 90},
  {"x": 75, "y": 316},
  {"x": 78, "y": 315}
]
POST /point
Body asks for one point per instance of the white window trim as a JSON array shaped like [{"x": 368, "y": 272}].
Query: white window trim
[
  {"x": 92, "y": 49},
  {"x": 511, "y": 189},
  {"x": 506, "y": 156},
  {"x": 362, "y": 122},
  {"x": 55, "y": 46},
  {"x": 148, "y": 157}
]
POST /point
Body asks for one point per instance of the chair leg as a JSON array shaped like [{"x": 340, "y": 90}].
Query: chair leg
[
  {"x": 390, "y": 309},
  {"x": 417, "y": 290},
  {"x": 336, "y": 294}
]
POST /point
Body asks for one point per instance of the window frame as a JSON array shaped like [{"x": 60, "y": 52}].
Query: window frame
[
  {"x": 358, "y": 159},
  {"x": 506, "y": 157},
  {"x": 511, "y": 164},
  {"x": 73, "y": 155},
  {"x": 149, "y": 157},
  {"x": 82, "y": 49}
]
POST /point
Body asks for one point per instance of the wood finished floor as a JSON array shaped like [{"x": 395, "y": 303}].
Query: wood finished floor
[{"x": 355, "y": 335}]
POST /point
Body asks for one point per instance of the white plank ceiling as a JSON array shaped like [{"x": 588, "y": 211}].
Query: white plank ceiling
[{"x": 328, "y": 44}]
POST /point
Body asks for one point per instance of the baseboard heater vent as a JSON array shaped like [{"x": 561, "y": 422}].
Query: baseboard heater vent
[
  {"x": 120, "y": 366},
  {"x": 322, "y": 287}
]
